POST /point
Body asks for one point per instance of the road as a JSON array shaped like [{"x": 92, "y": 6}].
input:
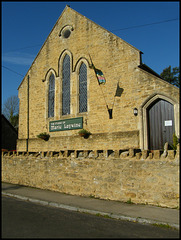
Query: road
[{"x": 23, "y": 219}]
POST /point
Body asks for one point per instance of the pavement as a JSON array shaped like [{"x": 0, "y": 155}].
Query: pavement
[{"x": 146, "y": 214}]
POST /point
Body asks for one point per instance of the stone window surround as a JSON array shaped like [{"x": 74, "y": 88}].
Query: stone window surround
[
  {"x": 63, "y": 30},
  {"x": 50, "y": 71},
  {"x": 66, "y": 85},
  {"x": 50, "y": 93},
  {"x": 80, "y": 61}
]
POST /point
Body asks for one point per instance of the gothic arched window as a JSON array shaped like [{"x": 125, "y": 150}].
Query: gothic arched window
[
  {"x": 66, "y": 85},
  {"x": 83, "y": 88},
  {"x": 51, "y": 95}
]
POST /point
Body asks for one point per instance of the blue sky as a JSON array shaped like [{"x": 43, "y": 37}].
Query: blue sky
[{"x": 26, "y": 25}]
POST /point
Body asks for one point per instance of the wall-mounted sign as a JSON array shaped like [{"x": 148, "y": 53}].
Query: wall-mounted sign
[
  {"x": 168, "y": 123},
  {"x": 66, "y": 124}
]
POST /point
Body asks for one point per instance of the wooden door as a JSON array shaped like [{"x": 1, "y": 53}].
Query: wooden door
[{"x": 160, "y": 124}]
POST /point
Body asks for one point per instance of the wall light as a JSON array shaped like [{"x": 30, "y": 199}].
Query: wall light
[{"x": 135, "y": 111}]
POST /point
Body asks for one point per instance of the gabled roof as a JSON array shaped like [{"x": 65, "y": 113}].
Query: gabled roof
[
  {"x": 148, "y": 69},
  {"x": 65, "y": 9}
]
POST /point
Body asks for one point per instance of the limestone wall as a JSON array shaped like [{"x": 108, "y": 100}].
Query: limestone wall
[
  {"x": 142, "y": 177},
  {"x": 120, "y": 140}
]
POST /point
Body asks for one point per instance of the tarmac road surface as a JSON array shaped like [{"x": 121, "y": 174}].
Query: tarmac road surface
[{"x": 23, "y": 219}]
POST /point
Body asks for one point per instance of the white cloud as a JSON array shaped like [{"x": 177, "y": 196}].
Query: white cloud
[{"x": 18, "y": 58}]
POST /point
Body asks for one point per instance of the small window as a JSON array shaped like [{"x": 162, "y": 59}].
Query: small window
[
  {"x": 83, "y": 88},
  {"x": 51, "y": 95},
  {"x": 66, "y": 33}
]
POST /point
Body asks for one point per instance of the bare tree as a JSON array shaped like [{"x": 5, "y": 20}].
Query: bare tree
[{"x": 11, "y": 110}]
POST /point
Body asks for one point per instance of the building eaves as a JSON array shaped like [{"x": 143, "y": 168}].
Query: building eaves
[{"x": 148, "y": 69}]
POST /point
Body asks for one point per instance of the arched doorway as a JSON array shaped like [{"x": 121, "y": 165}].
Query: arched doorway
[
  {"x": 160, "y": 123},
  {"x": 144, "y": 118}
]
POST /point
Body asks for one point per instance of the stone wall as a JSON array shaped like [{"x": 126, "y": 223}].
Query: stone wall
[
  {"x": 120, "y": 140},
  {"x": 138, "y": 176}
]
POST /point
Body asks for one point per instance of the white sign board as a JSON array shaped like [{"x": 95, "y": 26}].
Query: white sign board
[{"x": 168, "y": 123}]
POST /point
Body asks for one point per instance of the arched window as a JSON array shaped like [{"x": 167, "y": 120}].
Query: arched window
[
  {"x": 66, "y": 85},
  {"x": 83, "y": 88},
  {"x": 51, "y": 95}
]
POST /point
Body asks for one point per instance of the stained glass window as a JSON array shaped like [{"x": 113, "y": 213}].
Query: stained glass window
[
  {"x": 51, "y": 95},
  {"x": 66, "y": 85},
  {"x": 83, "y": 88}
]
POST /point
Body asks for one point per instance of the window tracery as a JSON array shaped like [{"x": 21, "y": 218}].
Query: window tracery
[
  {"x": 66, "y": 85},
  {"x": 51, "y": 95},
  {"x": 83, "y": 88}
]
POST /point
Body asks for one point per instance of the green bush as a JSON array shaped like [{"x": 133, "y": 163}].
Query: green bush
[
  {"x": 45, "y": 136},
  {"x": 175, "y": 142},
  {"x": 84, "y": 133}
]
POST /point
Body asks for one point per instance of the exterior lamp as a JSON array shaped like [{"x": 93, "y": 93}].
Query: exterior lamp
[{"x": 135, "y": 111}]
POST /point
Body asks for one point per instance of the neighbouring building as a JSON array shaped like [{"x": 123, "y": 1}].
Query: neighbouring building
[
  {"x": 86, "y": 77},
  {"x": 9, "y": 135}
]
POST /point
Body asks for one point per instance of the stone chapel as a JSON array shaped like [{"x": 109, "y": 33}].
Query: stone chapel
[{"x": 85, "y": 77}]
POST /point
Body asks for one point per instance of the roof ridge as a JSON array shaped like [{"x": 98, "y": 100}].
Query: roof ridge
[
  {"x": 102, "y": 27},
  {"x": 68, "y": 7}
]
